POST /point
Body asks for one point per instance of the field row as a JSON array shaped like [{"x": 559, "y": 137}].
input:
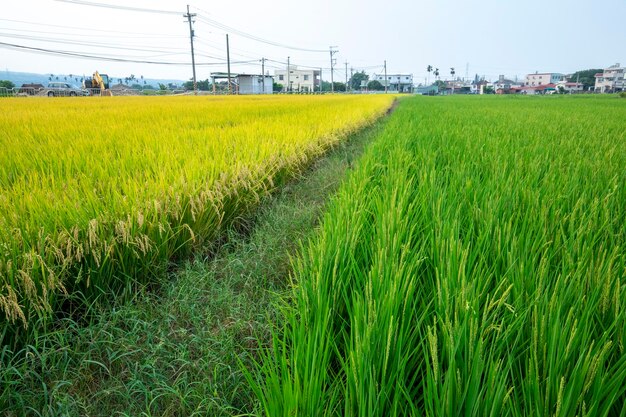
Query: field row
[
  {"x": 473, "y": 264},
  {"x": 96, "y": 196}
]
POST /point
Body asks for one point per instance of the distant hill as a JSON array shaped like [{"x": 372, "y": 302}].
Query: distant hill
[{"x": 19, "y": 78}]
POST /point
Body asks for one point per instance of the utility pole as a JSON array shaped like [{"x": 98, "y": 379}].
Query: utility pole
[
  {"x": 193, "y": 59},
  {"x": 351, "y": 75},
  {"x": 288, "y": 72},
  {"x": 263, "y": 73},
  {"x": 332, "y": 67},
  {"x": 228, "y": 63},
  {"x": 386, "y": 81},
  {"x": 346, "y": 63}
]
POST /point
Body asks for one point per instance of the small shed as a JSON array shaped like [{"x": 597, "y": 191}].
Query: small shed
[
  {"x": 253, "y": 84},
  {"x": 245, "y": 83}
]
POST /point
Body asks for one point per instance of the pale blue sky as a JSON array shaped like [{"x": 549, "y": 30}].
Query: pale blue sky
[{"x": 487, "y": 37}]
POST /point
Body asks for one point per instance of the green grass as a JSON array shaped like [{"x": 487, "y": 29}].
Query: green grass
[
  {"x": 473, "y": 264},
  {"x": 178, "y": 351}
]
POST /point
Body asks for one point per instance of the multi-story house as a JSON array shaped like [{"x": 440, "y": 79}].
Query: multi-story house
[
  {"x": 298, "y": 80},
  {"x": 611, "y": 80},
  {"x": 400, "y": 83},
  {"x": 505, "y": 86},
  {"x": 545, "y": 78}
]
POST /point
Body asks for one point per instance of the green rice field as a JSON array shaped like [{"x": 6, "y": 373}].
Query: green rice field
[{"x": 472, "y": 265}]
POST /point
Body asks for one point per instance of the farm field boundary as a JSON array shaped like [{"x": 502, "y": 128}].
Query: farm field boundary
[
  {"x": 178, "y": 349},
  {"x": 473, "y": 264}
]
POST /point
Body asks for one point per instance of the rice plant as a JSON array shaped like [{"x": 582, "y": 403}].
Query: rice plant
[
  {"x": 97, "y": 195},
  {"x": 473, "y": 264}
]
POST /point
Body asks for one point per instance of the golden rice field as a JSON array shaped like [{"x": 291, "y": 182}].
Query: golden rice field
[{"x": 96, "y": 195}]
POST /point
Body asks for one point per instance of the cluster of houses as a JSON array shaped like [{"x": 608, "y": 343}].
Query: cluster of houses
[
  {"x": 611, "y": 80},
  {"x": 308, "y": 80},
  {"x": 302, "y": 80}
]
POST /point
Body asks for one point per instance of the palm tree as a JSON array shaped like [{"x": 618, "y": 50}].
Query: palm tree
[
  {"x": 429, "y": 69},
  {"x": 436, "y": 72},
  {"x": 452, "y": 72}
]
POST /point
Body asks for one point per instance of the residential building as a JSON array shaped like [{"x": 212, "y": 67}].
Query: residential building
[
  {"x": 298, "y": 80},
  {"x": 397, "y": 83},
  {"x": 479, "y": 86},
  {"x": 611, "y": 80},
  {"x": 569, "y": 87},
  {"x": 544, "y": 78},
  {"x": 504, "y": 85},
  {"x": 534, "y": 90}
]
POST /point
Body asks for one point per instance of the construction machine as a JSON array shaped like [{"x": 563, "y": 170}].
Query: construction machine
[{"x": 98, "y": 81}]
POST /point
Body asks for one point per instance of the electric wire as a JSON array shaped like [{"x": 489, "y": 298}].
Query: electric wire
[
  {"x": 114, "y": 6},
  {"x": 106, "y": 58},
  {"x": 87, "y": 29}
]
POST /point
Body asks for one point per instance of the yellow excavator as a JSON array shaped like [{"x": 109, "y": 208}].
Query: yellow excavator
[{"x": 98, "y": 81}]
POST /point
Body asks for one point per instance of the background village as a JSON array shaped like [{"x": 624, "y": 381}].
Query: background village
[{"x": 301, "y": 80}]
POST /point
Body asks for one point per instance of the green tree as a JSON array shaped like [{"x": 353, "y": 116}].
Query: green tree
[
  {"x": 586, "y": 78},
  {"x": 375, "y": 85},
  {"x": 440, "y": 85},
  {"x": 355, "y": 80},
  {"x": 277, "y": 87},
  {"x": 204, "y": 85},
  {"x": 339, "y": 86},
  {"x": 6, "y": 84}
]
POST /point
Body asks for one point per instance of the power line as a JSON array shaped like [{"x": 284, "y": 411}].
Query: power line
[
  {"x": 134, "y": 35},
  {"x": 105, "y": 58},
  {"x": 92, "y": 44},
  {"x": 205, "y": 19},
  {"x": 85, "y": 29},
  {"x": 231, "y": 29},
  {"x": 113, "y": 6}
]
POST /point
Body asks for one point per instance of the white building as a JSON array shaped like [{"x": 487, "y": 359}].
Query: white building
[
  {"x": 569, "y": 87},
  {"x": 253, "y": 84},
  {"x": 611, "y": 80},
  {"x": 401, "y": 83},
  {"x": 298, "y": 80},
  {"x": 504, "y": 85},
  {"x": 545, "y": 78}
]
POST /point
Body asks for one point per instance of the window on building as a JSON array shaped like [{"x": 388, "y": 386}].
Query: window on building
[
  {"x": 306, "y": 77},
  {"x": 281, "y": 77}
]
